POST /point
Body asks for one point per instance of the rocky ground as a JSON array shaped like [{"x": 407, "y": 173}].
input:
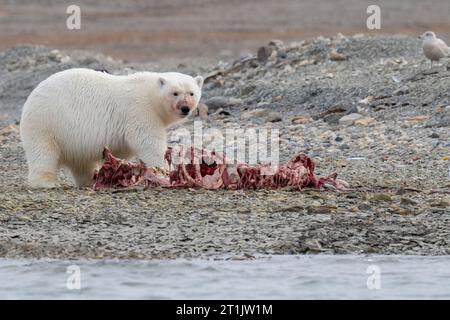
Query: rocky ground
[{"x": 368, "y": 108}]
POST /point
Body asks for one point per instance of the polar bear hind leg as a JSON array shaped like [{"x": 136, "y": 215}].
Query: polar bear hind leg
[{"x": 43, "y": 162}]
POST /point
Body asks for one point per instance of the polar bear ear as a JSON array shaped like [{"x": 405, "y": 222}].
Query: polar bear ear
[
  {"x": 161, "y": 82},
  {"x": 199, "y": 80}
]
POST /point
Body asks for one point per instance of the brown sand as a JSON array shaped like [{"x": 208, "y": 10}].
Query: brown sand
[{"x": 183, "y": 30}]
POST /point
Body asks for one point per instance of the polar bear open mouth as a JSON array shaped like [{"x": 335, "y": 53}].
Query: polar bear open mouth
[{"x": 207, "y": 169}]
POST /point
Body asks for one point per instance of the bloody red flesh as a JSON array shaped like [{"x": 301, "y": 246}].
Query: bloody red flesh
[{"x": 205, "y": 169}]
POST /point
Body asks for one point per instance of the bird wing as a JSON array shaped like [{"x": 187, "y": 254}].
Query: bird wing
[{"x": 443, "y": 47}]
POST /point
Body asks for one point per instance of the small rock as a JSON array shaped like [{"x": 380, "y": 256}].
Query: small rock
[
  {"x": 313, "y": 245},
  {"x": 221, "y": 112},
  {"x": 353, "y": 109},
  {"x": 364, "y": 206},
  {"x": 336, "y": 56},
  {"x": 277, "y": 99},
  {"x": 202, "y": 111},
  {"x": 382, "y": 197},
  {"x": 264, "y": 53},
  {"x": 247, "y": 89},
  {"x": 380, "y": 107},
  {"x": 332, "y": 118},
  {"x": 300, "y": 119},
  {"x": 325, "y": 209},
  {"x": 274, "y": 116},
  {"x": 367, "y": 100},
  {"x": 238, "y": 258},
  {"x": 441, "y": 204},
  {"x": 253, "y": 64},
  {"x": 364, "y": 121},
  {"x": 434, "y": 135},
  {"x": 419, "y": 118},
  {"x": 55, "y": 55},
  {"x": 349, "y": 119},
  {"x": 306, "y": 63},
  {"x": 407, "y": 201},
  {"x": 276, "y": 43},
  {"x": 222, "y": 102},
  {"x": 281, "y": 53},
  {"x": 255, "y": 113},
  {"x": 439, "y": 123},
  {"x": 87, "y": 61},
  {"x": 12, "y": 128},
  {"x": 400, "y": 210},
  {"x": 401, "y": 91}
]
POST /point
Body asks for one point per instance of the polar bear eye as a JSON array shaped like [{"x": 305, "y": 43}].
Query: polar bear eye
[
  {"x": 175, "y": 94},
  {"x": 192, "y": 94}
]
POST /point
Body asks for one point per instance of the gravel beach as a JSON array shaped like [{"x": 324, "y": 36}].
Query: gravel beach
[{"x": 368, "y": 108}]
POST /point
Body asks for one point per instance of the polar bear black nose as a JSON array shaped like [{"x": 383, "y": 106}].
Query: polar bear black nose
[{"x": 184, "y": 110}]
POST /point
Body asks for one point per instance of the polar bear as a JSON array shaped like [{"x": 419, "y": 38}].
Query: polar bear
[{"x": 71, "y": 116}]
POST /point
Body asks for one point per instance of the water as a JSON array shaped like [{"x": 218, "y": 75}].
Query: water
[{"x": 276, "y": 277}]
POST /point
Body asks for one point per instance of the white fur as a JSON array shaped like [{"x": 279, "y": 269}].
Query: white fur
[{"x": 71, "y": 116}]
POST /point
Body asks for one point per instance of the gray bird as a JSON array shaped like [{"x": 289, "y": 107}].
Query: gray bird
[{"x": 433, "y": 47}]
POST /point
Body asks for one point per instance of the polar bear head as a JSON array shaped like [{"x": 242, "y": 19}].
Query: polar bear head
[{"x": 179, "y": 94}]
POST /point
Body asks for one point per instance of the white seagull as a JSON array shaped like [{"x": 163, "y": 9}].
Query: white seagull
[{"x": 433, "y": 47}]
